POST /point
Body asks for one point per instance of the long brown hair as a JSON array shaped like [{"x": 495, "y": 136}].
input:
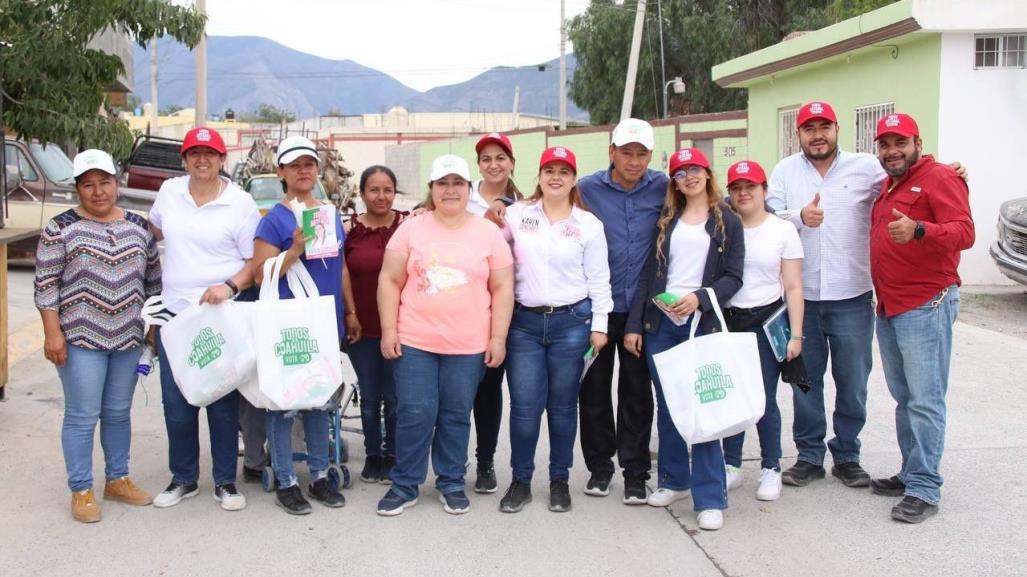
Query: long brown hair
[
  {"x": 574, "y": 196},
  {"x": 674, "y": 203}
]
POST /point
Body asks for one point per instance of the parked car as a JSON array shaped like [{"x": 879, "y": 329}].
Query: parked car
[
  {"x": 154, "y": 159},
  {"x": 1010, "y": 250},
  {"x": 266, "y": 190}
]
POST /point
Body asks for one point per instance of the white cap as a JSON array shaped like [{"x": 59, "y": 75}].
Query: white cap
[
  {"x": 92, "y": 159},
  {"x": 449, "y": 164},
  {"x": 294, "y": 147},
  {"x": 633, "y": 130}
]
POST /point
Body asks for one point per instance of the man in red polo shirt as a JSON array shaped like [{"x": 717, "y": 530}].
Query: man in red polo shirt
[{"x": 919, "y": 224}]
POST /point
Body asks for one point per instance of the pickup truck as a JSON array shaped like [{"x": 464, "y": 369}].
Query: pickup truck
[
  {"x": 42, "y": 187},
  {"x": 154, "y": 159},
  {"x": 1009, "y": 251}
]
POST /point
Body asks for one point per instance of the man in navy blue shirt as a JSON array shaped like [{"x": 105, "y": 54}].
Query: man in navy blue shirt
[{"x": 627, "y": 197}]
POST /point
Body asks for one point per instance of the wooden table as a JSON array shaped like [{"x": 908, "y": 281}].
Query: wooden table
[{"x": 7, "y": 235}]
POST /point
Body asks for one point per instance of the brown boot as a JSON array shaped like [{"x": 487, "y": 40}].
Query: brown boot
[
  {"x": 124, "y": 490},
  {"x": 84, "y": 507}
]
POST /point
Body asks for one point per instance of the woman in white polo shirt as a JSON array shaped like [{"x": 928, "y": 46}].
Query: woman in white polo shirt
[
  {"x": 562, "y": 289},
  {"x": 207, "y": 225}
]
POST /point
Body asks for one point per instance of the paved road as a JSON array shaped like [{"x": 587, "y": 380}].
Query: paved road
[{"x": 824, "y": 529}]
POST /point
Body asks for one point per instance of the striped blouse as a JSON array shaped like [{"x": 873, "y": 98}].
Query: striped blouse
[{"x": 96, "y": 275}]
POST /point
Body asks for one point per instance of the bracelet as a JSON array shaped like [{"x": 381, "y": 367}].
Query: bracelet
[
  {"x": 232, "y": 286},
  {"x": 799, "y": 338}
]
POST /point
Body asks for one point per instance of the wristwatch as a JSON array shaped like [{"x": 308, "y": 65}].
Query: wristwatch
[
  {"x": 920, "y": 231},
  {"x": 233, "y": 287}
]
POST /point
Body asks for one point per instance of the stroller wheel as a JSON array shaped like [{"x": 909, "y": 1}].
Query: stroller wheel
[
  {"x": 347, "y": 480},
  {"x": 267, "y": 479},
  {"x": 333, "y": 478}
]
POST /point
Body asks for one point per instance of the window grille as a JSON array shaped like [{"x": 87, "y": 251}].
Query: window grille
[
  {"x": 788, "y": 138},
  {"x": 866, "y": 124},
  {"x": 1000, "y": 50}
]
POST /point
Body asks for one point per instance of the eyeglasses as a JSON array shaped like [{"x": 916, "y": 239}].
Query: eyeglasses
[{"x": 693, "y": 169}]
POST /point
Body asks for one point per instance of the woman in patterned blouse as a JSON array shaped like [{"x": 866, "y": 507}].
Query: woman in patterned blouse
[{"x": 95, "y": 265}]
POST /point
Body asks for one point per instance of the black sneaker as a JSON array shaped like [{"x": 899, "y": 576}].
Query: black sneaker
[
  {"x": 321, "y": 491},
  {"x": 251, "y": 475},
  {"x": 372, "y": 469},
  {"x": 517, "y": 496},
  {"x": 802, "y": 473},
  {"x": 890, "y": 487},
  {"x": 635, "y": 491},
  {"x": 598, "y": 485},
  {"x": 559, "y": 496},
  {"x": 851, "y": 474},
  {"x": 388, "y": 461},
  {"x": 913, "y": 510},
  {"x": 455, "y": 503},
  {"x": 291, "y": 499},
  {"x": 486, "y": 482}
]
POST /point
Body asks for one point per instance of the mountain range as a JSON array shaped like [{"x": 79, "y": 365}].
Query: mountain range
[{"x": 246, "y": 71}]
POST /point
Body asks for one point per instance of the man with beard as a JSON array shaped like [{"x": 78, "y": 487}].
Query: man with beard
[{"x": 920, "y": 223}]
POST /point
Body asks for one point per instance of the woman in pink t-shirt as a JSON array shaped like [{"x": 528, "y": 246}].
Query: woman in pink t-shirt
[{"x": 445, "y": 298}]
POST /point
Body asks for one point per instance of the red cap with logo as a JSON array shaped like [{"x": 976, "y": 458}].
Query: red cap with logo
[
  {"x": 746, "y": 170},
  {"x": 558, "y": 154},
  {"x": 687, "y": 156},
  {"x": 497, "y": 138},
  {"x": 815, "y": 110},
  {"x": 898, "y": 123},
  {"x": 203, "y": 136}
]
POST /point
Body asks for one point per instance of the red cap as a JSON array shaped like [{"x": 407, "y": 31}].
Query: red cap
[
  {"x": 497, "y": 138},
  {"x": 901, "y": 124},
  {"x": 746, "y": 170},
  {"x": 202, "y": 136},
  {"x": 558, "y": 154},
  {"x": 687, "y": 156},
  {"x": 816, "y": 110}
]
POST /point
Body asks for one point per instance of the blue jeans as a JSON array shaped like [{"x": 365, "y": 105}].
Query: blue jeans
[
  {"x": 545, "y": 356},
  {"x": 434, "y": 397},
  {"x": 846, "y": 329},
  {"x": 98, "y": 386},
  {"x": 706, "y": 477},
  {"x": 377, "y": 390},
  {"x": 769, "y": 426},
  {"x": 915, "y": 349},
  {"x": 279, "y": 440},
  {"x": 183, "y": 424}
]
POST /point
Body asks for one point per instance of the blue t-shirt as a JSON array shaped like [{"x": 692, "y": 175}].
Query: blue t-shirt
[{"x": 276, "y": 228}]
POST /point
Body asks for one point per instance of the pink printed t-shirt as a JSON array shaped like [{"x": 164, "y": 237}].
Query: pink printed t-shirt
[{"x": 446, "y": 307}]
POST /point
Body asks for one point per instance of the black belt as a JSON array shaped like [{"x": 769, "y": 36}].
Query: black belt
[
  {"x": 547, "y": 309},
  {"x": 755, "y": 311}
]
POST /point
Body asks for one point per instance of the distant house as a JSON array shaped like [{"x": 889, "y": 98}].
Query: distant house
[
  {"x": 957, "y": 66},
  {"x": 118, "y": 44}
]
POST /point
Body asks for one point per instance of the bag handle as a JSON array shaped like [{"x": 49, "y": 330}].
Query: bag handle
[
  {"x": 272, "y": 270},
  {"x": 716, "y": 309},
  {"x": 300, "y": 282}
]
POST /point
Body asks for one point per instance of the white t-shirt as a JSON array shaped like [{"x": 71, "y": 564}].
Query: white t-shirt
[
  {"x": 476, "y": 204},
  {"x": 205, "y": 245},
  {"x": 689, "y": 246},
  {"x": 765, "y": 246},
  {"x": 560, "y": 263}
]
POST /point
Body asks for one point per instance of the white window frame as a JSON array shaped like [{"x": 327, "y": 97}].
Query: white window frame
[
  {"x": 787, "y": 132},
  {"x": 1006, "y": 51},
  {"x": 866, "y": 124}
]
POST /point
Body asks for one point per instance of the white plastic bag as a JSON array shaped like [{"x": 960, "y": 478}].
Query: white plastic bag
[
  {"x": 210, "y": 349},
  {"x": 297, "y": 343},
  {"x": 713, "y": 384}
]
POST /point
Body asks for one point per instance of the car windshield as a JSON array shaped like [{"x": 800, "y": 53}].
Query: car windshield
[
  {"x": 271, "y": 189},
  {"x": 55, "y": 163}
]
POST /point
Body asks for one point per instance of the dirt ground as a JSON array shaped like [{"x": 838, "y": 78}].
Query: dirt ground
[{"x": 997, "y": 308}]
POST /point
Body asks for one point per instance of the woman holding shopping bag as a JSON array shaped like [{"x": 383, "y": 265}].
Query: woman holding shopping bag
[
  {"x": 207, "y": 225},
  {"x": 95, "y": 265},
  {"x": 562, "y": 290},
  {"x": 773, "y": 257},
  {"x": 366, "y": 238},
  {"x": 279, "y": 232},
  {"x": 700, "y": 244},
  {"x": 445, "y": 297}
]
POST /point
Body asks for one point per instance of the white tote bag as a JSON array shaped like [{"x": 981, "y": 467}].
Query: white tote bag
[
  {"x": 297, "y": 343},
  {"x": 713, "y": 384},
  {"x": 210, "y": 349}
]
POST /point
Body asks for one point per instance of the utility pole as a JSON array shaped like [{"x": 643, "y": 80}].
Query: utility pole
[
  {"x": 201, "y": 70},
  {"x": 663, "y": 64},
  {"x": 563, "y": 67},
  {"x": 636, "y": 44},
  {"x": 153, "y": 86}
]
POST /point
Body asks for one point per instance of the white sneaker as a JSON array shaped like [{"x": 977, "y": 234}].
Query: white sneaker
[
  {"x": 734, "y": 476},
  {"x": 770, "y": 485},
  {"x": 666, "y": 497},
  {"x": 230, "y": 498},
  {"x": 710, "y": 519},
  {"x": 174, "y": 494}
]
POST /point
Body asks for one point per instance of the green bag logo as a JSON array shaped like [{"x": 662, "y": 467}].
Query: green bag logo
[
  {"x": 296, "y": 346},
  {"x": 206, "y": 347},
  {"x": 711, "y": 384}
]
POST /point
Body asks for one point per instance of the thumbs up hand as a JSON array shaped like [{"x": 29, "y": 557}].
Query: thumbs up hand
[
  {"x": 811, "y": 214},
  {"x": 902, "y": 228}
]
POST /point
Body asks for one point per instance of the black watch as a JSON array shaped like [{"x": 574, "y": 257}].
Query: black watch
[
  {"x": 232, "y": 287},
  {"x": 920, "y": 231}
]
